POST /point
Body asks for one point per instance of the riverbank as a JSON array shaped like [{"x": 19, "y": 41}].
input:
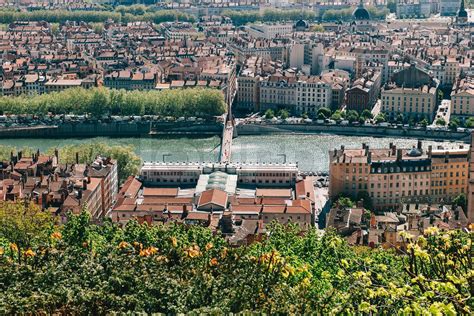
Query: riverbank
[{"x": 208, "y": 129}]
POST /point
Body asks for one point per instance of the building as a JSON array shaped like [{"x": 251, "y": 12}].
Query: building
[
  {"x": 364, "y": 92},
  {"x": 411, "y": 92},
  {"x": 462, "y": 97},
  {"x": 269, "y": 30},
  {"x": 394, "y": 175},
  {"x": 298, "y": 94},
  {"x": 129, "y": 80},
  {"x": 449, "y": 7},
  {"x": 190, "y": 174}
]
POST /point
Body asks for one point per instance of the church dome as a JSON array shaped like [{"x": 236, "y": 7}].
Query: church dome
[
  {"x": 301, "y": 25},
  {"x": 462, "y": 13},
  {"x": 361, "y": 13}
]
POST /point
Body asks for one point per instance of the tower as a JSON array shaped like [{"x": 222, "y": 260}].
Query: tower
[{"x": 461, "y": 17}]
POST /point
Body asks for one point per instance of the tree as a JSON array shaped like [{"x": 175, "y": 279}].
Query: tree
[
  {"x": 365, "y": 197},
  {"x": 424, "y": 122},
  {"x": 283, "y": 114},
  {"x": 440, "y": 94},
  {"x": 352, "y": 116},
  {"x": 318, "y": 28},
  {"x": 392, "y": 6},
  {"x": 269, "y": 114},
  {"x": 399, "y": 118},
  {"x": 454, "y": 124},
  {"x": 380, "y": 118},
  {"x": 366, "y": 114},
  {"x": 323, "y": 113},
  {"x": 23, "y": 225},
  {"x": 345, "y": 202},
  {"x": 337, "y": 115},
  {"x": 440, "y": 122},
  {"x": 469, "y": 122},
  {"x": 460, "y": 200}
]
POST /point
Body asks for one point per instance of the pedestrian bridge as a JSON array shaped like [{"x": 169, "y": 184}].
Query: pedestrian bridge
[{"x": 226, "y": 142}]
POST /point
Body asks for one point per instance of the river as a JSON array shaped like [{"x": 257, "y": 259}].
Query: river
[{"x": 309, "y": 151}]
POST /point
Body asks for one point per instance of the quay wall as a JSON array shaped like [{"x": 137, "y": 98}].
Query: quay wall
[
  {"x": 177, "y": 129},
  {"x": 376, "y": 131}
]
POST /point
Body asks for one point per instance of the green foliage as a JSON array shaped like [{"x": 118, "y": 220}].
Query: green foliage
[
  {"x": 461, "y": 201},
  {"x": 365, "y": 197},
  {"x": 82, "y": 268},
  {"x": 346, "y": 14},
  {"x": 380, "y": 118},
  {"x": 324, "y": 113},
  {"x": 454, "y": 123},
  {"x": 337, "y": 115},
  {"x": 424, "y": 122},
  {"x": 23, "y": 225},
  {"x": 392, "y": 6},
  {"x": 440, "y": 122},
  {"x": 270, "y": 15},
  {"x": 283, "y": 114},
  {"x": 269, "y": 114},
  {"x": 469, "y": 123},
  {"x": 366, "y": 114},
  {"x": 61, "y": 16},
  {"x": 352, "y": 116},
  {"x": 128, "y": 162},
  {"x": 102, "y": 101},
  {"x": 345, "y": 202}
]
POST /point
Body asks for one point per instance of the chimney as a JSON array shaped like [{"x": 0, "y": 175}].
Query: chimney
[
  {"x": 367, "y": 150},
  {"x": 77, "y": 157},
  {"x": 394, "y": 150},
  {"x": 369, "y": 157},
  {"x": 390, "y": 145},
  {"x": 344, "y": 158},
  {"x": 84, "y": 184},
  {"x": 342, "y": 148},
  {"x": 399, "y": 154},
  {"x": 44, "y": 199},
  {"x": 185, "y": 212},
  {"x": 419, "y": 145},
  {"x": 88, "y": 179}
]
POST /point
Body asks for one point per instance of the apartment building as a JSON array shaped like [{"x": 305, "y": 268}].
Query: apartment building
[
  {"x": 462, "y": 97},
  {"x": 131, "y": 80},
  {"x": 269, "y": 30},
  {"x": 364, "y": 92},
  {"x": 299, "y": 94},
  {"x": 394, "y": 175},
  {"x": 411, "y": 92}
]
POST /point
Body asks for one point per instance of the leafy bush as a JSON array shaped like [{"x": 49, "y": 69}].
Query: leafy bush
[{"x": 82, "y": 268}]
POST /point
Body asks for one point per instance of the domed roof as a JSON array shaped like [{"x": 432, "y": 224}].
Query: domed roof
[
  {"x": 361, "y": 13},
  {"x": 462, "y": 13},
  {"x": 301, "y": 24},
  {"x": 414, "y": 152}
]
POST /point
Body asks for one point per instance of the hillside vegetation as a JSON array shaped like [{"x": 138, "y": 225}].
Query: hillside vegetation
[{"x": 82, "y": 268}]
